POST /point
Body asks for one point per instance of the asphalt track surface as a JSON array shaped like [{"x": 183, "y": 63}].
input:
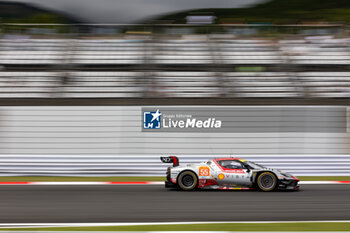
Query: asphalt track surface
[{"x": 154, "y": 203}]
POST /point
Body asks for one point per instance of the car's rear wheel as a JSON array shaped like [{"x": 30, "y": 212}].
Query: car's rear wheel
[
  {"x": 267, "y": 181},
  {"x": 187, "y": 181}
]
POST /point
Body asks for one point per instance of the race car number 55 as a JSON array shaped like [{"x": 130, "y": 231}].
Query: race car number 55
[{"x": 204, "y": 171}]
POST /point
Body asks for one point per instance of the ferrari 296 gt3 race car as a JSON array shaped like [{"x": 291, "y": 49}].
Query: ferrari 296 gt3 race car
[{"x": 226, "y": 173}]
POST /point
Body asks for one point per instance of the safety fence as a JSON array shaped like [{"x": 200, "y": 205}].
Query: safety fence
[
  {"x": 168, "y": 84},
  {"x": 137, "y": 165}
]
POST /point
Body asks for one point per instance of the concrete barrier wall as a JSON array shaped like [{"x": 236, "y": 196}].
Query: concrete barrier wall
[{"x": 107, "y": 140}]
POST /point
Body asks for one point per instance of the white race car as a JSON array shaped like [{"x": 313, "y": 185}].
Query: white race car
[{"x": 227, "y": 173}]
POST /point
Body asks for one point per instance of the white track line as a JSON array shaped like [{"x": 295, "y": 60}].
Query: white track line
[
  {"x": 323, "y": 182},
  {"x": 31, "y": 225},
  {"x": 68, "y": 183}
]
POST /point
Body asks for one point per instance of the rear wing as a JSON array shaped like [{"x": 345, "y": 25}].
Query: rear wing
[{"x": 170, "y": 159}]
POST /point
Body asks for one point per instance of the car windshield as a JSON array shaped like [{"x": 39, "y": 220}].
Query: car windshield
[
  {"x": 230, "y": 164},
  {"x": 254, "y": 165}
]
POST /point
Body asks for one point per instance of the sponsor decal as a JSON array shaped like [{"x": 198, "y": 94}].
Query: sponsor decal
[
  {"x": 192, "y": 123},
  {"x": 175, "y": 119},
  {"x": 204, "y": 171},
  {"x": 241, "y": 171},
  {"x": 221, "y": 176},
  {"x": 152, "y": 120},
  {"x": 206, "y": 182}
]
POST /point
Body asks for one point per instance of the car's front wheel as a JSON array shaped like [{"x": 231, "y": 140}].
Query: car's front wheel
[
  {"x": 187, "y": 181},
  {"x": 267, "y": 181}
]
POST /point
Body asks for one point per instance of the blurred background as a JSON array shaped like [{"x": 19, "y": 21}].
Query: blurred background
[{"x": 75, "y": 74}]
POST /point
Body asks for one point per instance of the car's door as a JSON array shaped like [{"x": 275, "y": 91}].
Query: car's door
[{"x": 233, "y": 172}]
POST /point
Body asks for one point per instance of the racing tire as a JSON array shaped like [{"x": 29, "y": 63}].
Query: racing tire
[
  {"x": 187, "y": 181},
  {"x": 266, "y": 182}
]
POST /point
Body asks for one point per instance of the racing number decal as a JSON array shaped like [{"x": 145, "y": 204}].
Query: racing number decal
[{"x": 204, "y": 171}]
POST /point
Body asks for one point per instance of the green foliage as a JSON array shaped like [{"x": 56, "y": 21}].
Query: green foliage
[
  {"x": 45, "y": 18},
  {"x": 15, "y": 12}
]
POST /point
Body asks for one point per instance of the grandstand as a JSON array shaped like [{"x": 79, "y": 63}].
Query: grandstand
[{"x": 206, "y": 66}]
